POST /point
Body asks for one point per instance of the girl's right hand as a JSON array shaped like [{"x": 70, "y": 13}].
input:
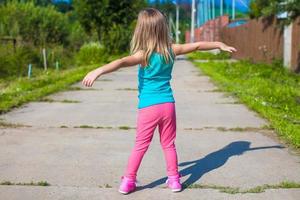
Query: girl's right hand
[
  {"x": 90, "y": 78},
  {"x": 224, "y": 47}
]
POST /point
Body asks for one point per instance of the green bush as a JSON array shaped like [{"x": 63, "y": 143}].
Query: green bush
[
  {"x": 118, "y": 38},
  {"x": 34, "y": 27},
  {"x": 60, "y": 55},
  {"x": 15, "y": 63},
  {"x": 34, "y": 24},
  {"x": 77, "y": 36},
  {"x": 91, "y": 53}
]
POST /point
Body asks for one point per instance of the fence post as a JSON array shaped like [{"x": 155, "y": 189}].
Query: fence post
[
  {"x": 193, "y": 10},
  {"x": 29, "y": 70},
  {"x": 287, "y": 45},
  {"x": 45, "y": 59},
  {"x": 56, "y": 65}
]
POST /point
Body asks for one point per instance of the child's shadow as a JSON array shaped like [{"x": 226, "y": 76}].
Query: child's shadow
[{"x": 197, "y": 168}]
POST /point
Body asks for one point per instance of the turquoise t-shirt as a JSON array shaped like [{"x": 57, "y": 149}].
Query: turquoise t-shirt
[{"x": 154, "y": 81}]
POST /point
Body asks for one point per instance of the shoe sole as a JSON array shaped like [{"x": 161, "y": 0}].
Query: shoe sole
[
  {"x": 176, "y": 190},
  {"x": 122, "y": 192}
]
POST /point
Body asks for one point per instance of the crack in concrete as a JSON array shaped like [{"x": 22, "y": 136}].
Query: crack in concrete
[
  {"x": 220, "y": 188},
  {"x": 4, "y": 124},
  {"x": 256, "y": 189},
  {"x": 234, "y": 129},
  {"x": 49, "y": 100}
]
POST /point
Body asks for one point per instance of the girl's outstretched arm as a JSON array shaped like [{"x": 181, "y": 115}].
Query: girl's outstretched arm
[
  {"x": 190, "y": 47},
  {"x": 127, "y": 61}
]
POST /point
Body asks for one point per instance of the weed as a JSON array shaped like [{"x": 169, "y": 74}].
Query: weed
[
  {"x": 236, "y": 190},
  {"x": 107, "y": 186},
  {"x": 40, "y": 183},
  {"x": 11, "y": 125},
  {"x": 125, "y": 127},
  {"x": 127, "y": 89}
]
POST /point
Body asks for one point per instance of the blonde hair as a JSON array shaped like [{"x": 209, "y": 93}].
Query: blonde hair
[{"x": 151, "y": 35}]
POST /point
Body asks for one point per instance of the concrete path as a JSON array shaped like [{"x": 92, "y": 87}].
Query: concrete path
[{"x": 80, "y": 140}]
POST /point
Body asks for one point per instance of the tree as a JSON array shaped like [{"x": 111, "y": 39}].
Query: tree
[
  {"x": 33, "y": 24},
  {"x": 104, "y": 15},
  {"x": 259, "y": 8}
]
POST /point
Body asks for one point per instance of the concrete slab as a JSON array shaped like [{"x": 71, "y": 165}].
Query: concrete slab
[
  {"x": 114, "y": 103},
  {"x": 76, "y": 161},
  {"x": 93, "y": 157},
  {"x": 83, "y": 193}
]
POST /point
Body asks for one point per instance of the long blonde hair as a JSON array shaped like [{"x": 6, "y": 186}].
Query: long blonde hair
[{"x": 151, "y": 35}]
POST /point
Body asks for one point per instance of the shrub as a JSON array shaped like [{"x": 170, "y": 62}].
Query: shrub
[
  {"x": 34, "y": 24},
  {"x": 118, "y": 39},
  {"x": 91, "y": 53},
  {"x": 14, "y": 63}
]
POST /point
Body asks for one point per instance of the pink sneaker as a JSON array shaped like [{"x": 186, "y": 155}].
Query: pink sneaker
[
  {"x": 173, "y": 183},
  {"x": 127, "y": 185}
]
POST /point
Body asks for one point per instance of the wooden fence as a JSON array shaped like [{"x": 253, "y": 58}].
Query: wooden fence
[
  {"x": 210, "y": 31},
  {"x": 261, "y": 40},
  {"x": 296, "y": 45}
]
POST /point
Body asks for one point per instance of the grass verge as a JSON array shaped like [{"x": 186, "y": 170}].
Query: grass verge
[
  {"x": 236, "y": 190},
  {"x": 17, "y": 91},
  {"x": 198, "y": 55},
  {"x": 22, "y": 90},
  {"x": 270, "y": 90}
]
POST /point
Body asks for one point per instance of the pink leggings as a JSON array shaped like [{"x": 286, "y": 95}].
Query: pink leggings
[{"x": 163, "y": 116}]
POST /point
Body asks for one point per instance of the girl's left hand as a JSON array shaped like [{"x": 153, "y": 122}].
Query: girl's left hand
[
  {"x": 90, "y": 78},
  {"x": 224, "y": 47}
]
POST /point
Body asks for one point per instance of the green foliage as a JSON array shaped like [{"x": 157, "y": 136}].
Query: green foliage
[
  {"x": 256, "y": 7},
  {"x": 108, "y": 17},
  {"x": 21, "y": 90},
  {"x": 270, "y": 90},
  {"x": 91, "y": 53},
  {"x": 237, "y": 190},
  {"x": 16, "y": 91},
  {"x": 166, "y": 7},
  {"x": 117, "y": 39},
  {"x": 77, "y": 37},
  {"x": 200, "y": 55},
  {"x": 15, "y": 62},
  {"x": 33, "y": 24},
  {"x": 259, "y": 8}
]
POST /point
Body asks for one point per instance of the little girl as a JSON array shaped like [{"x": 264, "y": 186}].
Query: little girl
[{"x": 153, "y": 52}]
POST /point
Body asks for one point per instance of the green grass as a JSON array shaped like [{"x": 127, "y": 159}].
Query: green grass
[
  {"x": 107, "y": 186},
  {"x": 94, "y": 127},
  {"x": 128, "y": 89},
  {"x": 49, "y": 100},
  {"x": 270, "y": 90},
  {"x": 80, "y": 88},
  {"x": 40, "y": 183},
  {"x": 236, "y": 190},
  {"x": 198, "y": 55},
  {"x": 84, "y": 126},
  {"x": 233, "y": 129},
  {"x": 4, "y": 124},
  {"x": 21, "y": 90},
  {"x": 125, "y": 128},
  {"x": 17, "y": 91}
]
